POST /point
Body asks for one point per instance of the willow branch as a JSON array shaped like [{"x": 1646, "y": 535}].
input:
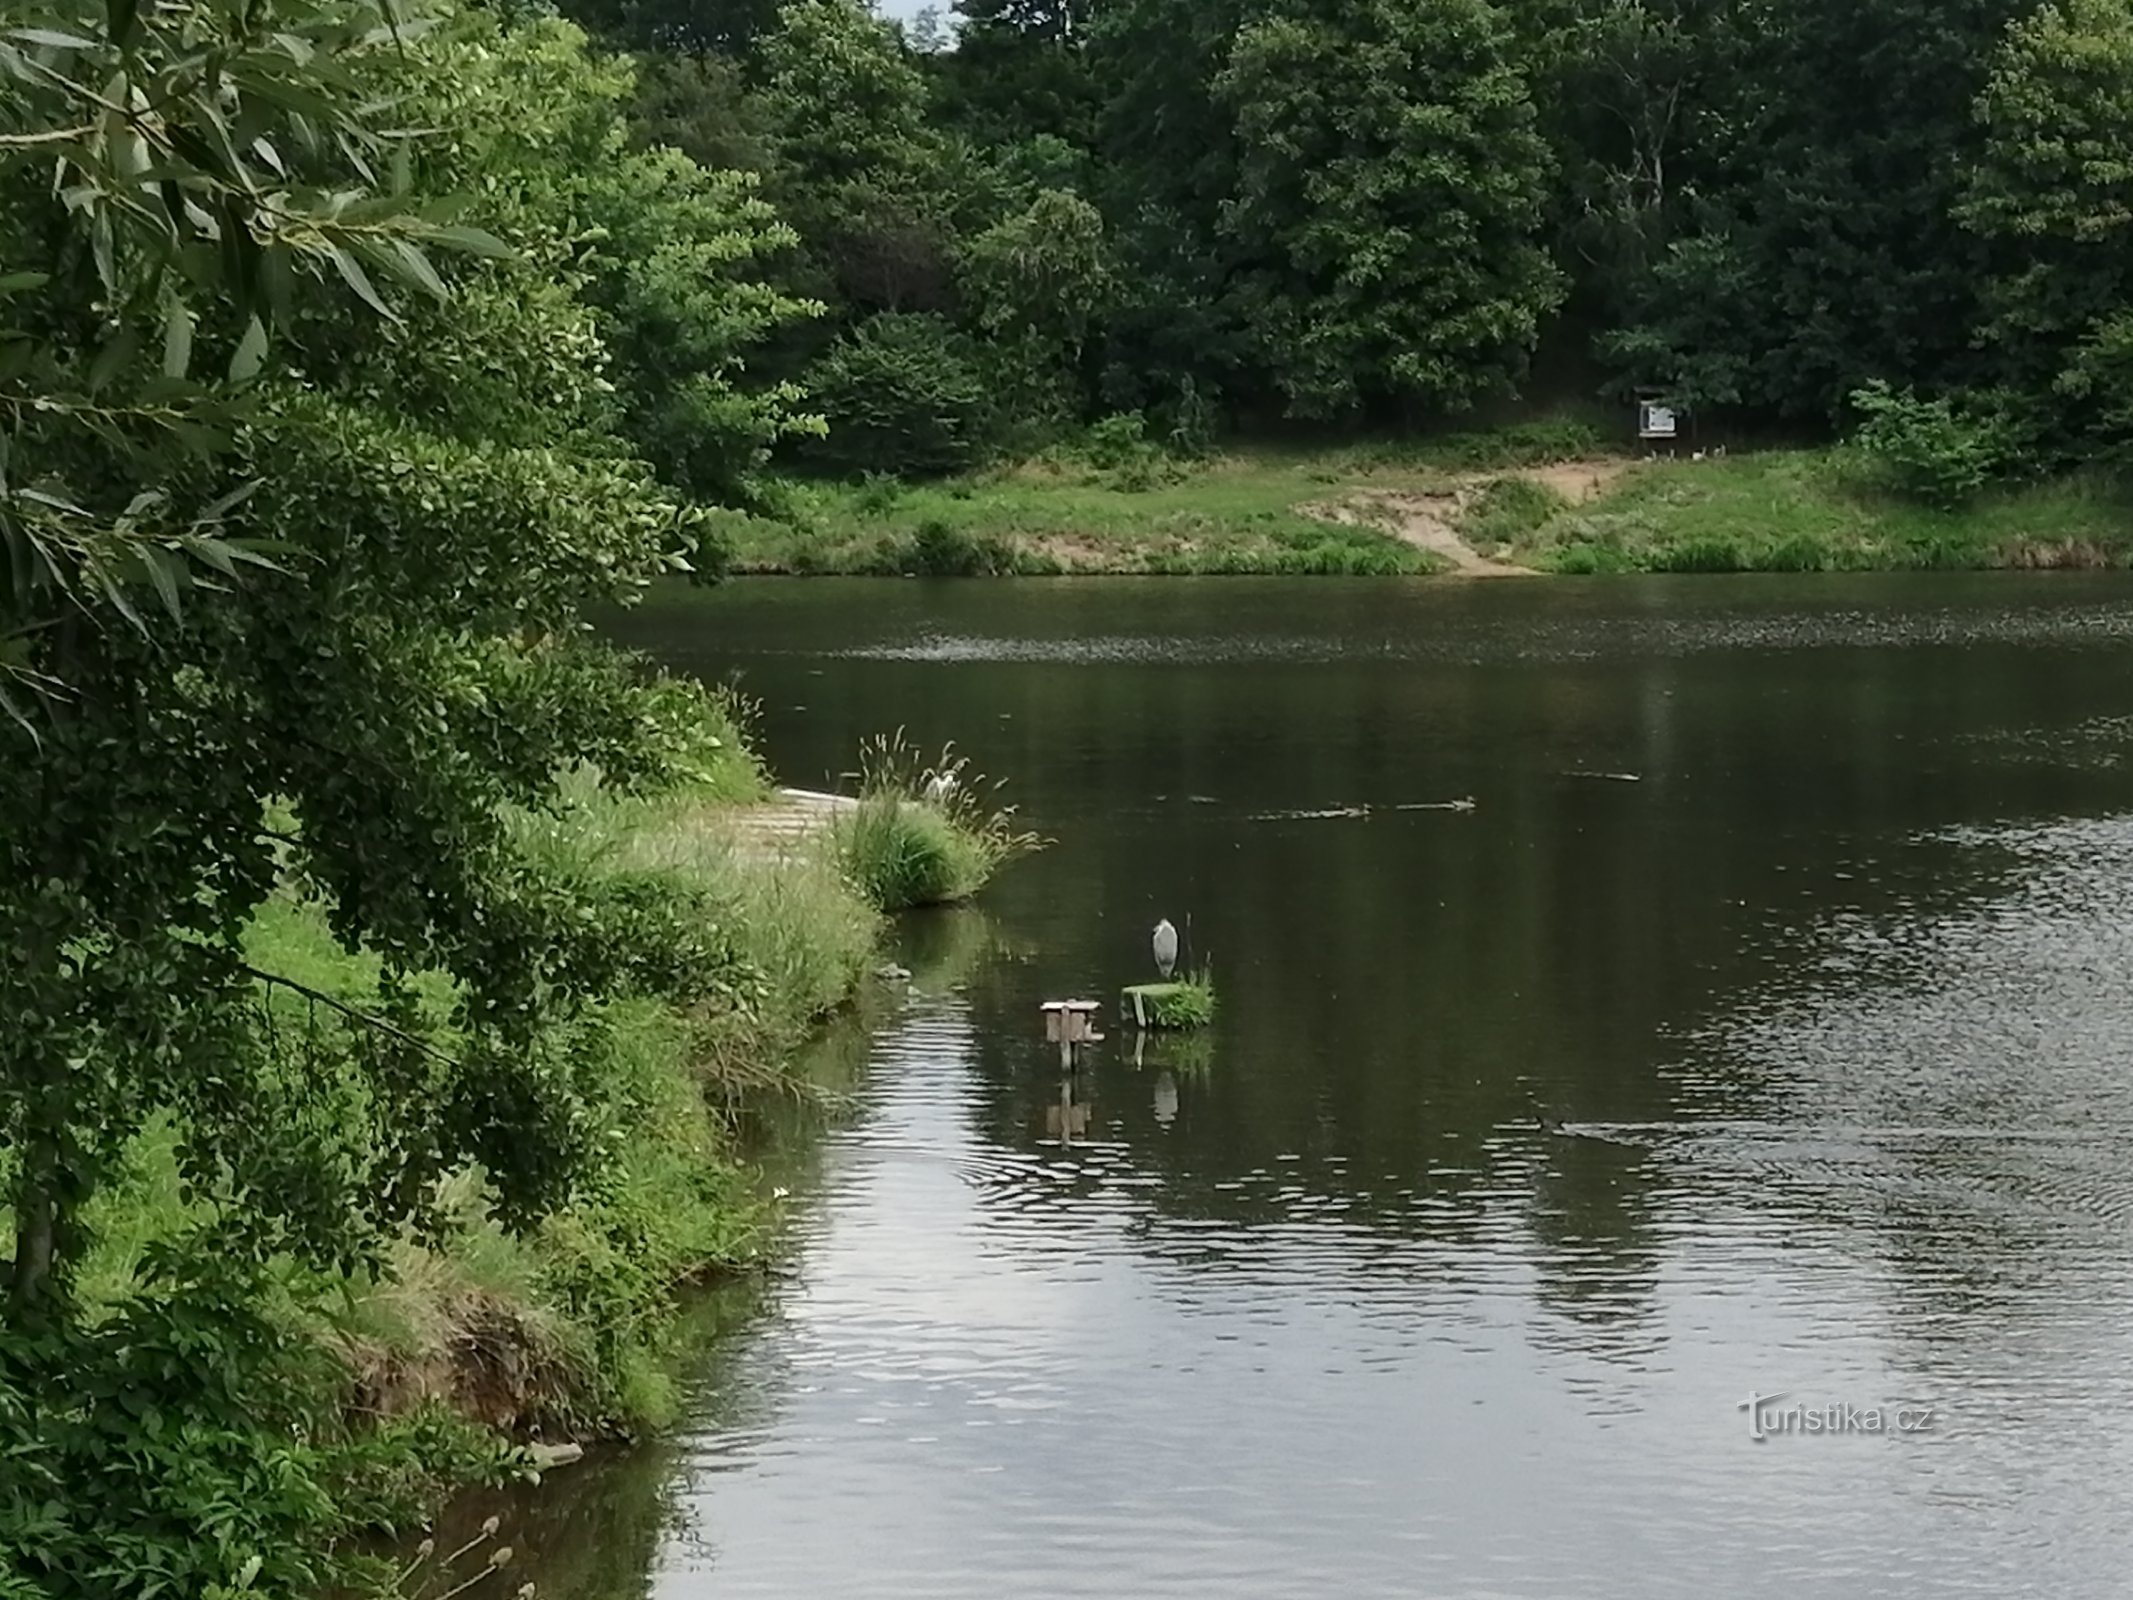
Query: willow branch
[{"x": 368, "y": 1019}]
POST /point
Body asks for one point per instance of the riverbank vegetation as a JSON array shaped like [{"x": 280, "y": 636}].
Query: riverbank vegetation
[
  {"x": 1366, "y": 510},
  {"x": 924, "y": 833},
  {"x": 1176, "y": 1005},
  {"x": 380, "y": 981},
  {"x": 1812, "y": 511}
]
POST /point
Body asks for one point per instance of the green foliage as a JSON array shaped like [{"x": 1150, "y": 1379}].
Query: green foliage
[
  {"x": 1789, "y": 179},
  {"x": 938, "y": 550},
  {"x": 924, "y": 832},
  {"x": 185, "y": 1445},
  {"x": 1508, "y": 509},
  {"x": 1384, "y": 231},
  {"x": 1214, "y": 212},
  {"x": 1183, "y": 1005},
  {"x": 151, "y": 250},
  {"x": 902, "y": 853},
  {"x": 903, "y": 394},
  {"x": 1923, "y": 448},
  {"x": 860, "y": 164},
  {"x": 302, "y": 587},
  {"x": 2052, "y": 195}
]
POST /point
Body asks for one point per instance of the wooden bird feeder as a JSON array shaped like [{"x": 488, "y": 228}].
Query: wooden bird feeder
[{"x": 1070, "y": 1022}]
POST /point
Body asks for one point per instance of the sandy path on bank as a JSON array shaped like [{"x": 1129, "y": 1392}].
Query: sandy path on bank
[{"x": 1430, "y": 520}]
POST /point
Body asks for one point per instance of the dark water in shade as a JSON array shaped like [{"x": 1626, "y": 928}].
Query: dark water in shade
[{"x": 1805, "y": 908}]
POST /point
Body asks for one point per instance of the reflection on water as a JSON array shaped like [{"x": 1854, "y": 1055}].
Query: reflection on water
[{"x": 1762, "y": 1025}]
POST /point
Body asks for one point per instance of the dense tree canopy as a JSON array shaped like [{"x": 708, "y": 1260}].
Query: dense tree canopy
[{"x": 1366, "y": 212}]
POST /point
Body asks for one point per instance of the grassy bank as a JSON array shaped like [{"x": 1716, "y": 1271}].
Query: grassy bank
[
  {"x": 1128, "y": 508},
  {"x": 371, "y": 1394},
  {"x": 1811, "y": 511},
  {"x": 1543, "y": 495},
  {"x": 1230, "y": 514},
  {"x": 559, "y": 1327}
]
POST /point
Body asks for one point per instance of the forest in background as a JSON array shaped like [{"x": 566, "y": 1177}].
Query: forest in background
[{"x": 1178, "y": 219}]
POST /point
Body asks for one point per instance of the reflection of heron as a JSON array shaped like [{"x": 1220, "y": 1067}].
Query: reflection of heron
[{"x": 1166, "y": 947}]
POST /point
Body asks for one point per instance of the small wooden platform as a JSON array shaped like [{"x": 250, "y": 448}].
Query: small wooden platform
[{"x": 1166, "y": 1005}]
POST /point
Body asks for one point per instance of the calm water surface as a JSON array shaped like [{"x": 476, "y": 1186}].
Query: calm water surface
[{"x": 1635, "y": 996}]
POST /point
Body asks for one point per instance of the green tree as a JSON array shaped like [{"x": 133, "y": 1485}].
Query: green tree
[
  {"x": 440, "y": 504},
  {"x": 2052, "y": 194},
  {"x": 903, "y": 393},
  {"x": 1038, "y": 284},
  {"x": 861, "y": 165},
  {"x": 1020, "y": 70},
  {"x": 1383, "y": 238},
  {"x": 1812, "y": 244},
  {"x": 674, "y": 259},
  {"x": 687, "y": 27}
]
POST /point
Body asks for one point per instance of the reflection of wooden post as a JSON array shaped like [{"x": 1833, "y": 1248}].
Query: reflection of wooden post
[{"x": 1069, "y": 1119}]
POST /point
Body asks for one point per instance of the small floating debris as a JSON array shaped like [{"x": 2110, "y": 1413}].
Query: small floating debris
[
  {"x": 1608, "y": 777},
  {"x": 1345, "y": 813}
]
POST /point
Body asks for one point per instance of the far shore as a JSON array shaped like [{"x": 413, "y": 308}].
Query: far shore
[{"x": 1354, "y": 511}]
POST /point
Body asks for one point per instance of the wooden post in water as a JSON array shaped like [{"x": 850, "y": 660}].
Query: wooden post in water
[{"x": 1070, "y": 1024}]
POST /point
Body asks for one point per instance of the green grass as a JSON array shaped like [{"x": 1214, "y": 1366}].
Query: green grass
[
  {"x": 1231, "y": 514},
  {"x": 1250, "y": 510},
  {"x": 580, "y": 1311},
  {"x": 1139, "y": 511},
  {"x": 905, "y": 853},
  {"x": 1182, "y": 1004},
  {"x": 1811, "y": 511},
  {"x": 925, "y": 832},
  {"x": 1508, "y": 510}
]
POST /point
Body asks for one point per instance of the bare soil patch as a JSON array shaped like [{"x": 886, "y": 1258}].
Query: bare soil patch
[{"x": 1429, "y": 520}]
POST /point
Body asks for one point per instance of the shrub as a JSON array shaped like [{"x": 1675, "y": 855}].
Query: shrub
[
  {"x": 937, "y": 550},
  {"x": 903, "y": 394},
  {"x": 1924, "y": 450},
  {"x": 877, "y": 495},
  {"x": 904, "y": 853},
  {"x": 925, "y": 832},
  {"x": 1538, "y": 443},
  {"x": 1119, "y": 440},
  {"x": 1708, "y": 553}
]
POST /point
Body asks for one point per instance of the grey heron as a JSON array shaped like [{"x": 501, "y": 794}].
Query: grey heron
[{"x": 1165, "y": 945}]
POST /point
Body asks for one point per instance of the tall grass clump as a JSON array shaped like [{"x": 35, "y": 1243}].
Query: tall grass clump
[
  {"x": 926, "y": 832},
  {"x": 1509, "y": 509}
]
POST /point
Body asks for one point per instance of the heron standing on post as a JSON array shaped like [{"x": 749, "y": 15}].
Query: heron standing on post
[{"x": 1166, "y": 947}]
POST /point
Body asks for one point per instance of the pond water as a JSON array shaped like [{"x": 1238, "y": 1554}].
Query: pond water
[{"x": 1636, "y": 996}]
